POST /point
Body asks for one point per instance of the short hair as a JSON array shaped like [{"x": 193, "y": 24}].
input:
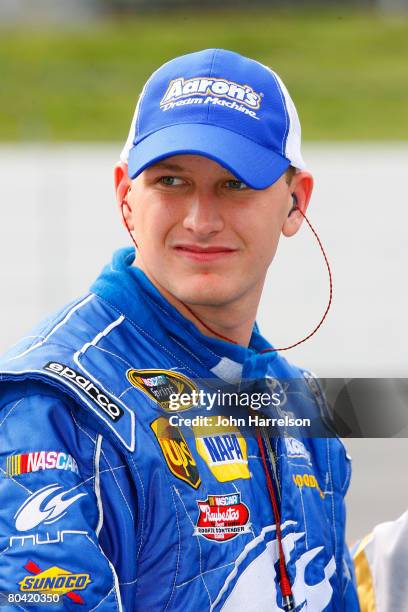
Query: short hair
[{"x": 290, "y": 173}]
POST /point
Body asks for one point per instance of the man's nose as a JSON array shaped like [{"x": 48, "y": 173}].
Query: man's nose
[{"x": 203, "y": 216}]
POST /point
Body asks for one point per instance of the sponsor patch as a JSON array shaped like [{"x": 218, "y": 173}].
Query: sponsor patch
[
  {"x": 37, "y": 540},
  {"x": 309, "y": 481},
  {"x": 225, "y": 453},
  {"x": 99, "y": 397},
  {"x": 176, "y": 452},
  {"x": 54, "y": 580},
  {"x": 160, "y": 385},
  {"x": 44, "y": 506},
  {"x": 296, "y": 449},
  {"x": 40, "y": 460},
  {"x": 203, "y": 87},
  {"x": 222, "y": 517}
]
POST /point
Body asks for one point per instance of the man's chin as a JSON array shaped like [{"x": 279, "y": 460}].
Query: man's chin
[{"x": 204, "y": 294}]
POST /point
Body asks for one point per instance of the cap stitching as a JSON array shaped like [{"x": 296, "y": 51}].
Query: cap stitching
[
  {"x": 210, "y": 75},
  {"x": 142, "y": 95},
  {"x": 213, "y": 125},
  {"x": 286, "y": 110}
]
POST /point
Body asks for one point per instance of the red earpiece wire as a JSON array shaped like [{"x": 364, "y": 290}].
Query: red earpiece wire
[
  {"x": 284, "y": 580},
  {"x": 318, "y": 326},
  {"x": 269, "y": 350}
]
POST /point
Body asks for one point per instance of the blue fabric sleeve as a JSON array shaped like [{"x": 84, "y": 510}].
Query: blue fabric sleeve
[{"x": 50, "y": 506}]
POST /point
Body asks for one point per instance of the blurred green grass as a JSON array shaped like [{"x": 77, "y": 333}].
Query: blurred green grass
[{"x": 346, "y": 71}]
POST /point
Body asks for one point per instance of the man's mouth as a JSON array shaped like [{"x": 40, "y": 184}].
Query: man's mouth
[{"x": 204, "y": 254}]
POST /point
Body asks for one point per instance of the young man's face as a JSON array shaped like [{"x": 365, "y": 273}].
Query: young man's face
[{"x": 204, "y": 236}]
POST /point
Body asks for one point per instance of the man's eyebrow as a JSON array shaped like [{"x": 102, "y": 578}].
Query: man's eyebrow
[{"x": 167, "y": 166}]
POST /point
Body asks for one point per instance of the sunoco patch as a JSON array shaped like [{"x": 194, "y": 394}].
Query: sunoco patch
[{"x": 160, "y": 385}]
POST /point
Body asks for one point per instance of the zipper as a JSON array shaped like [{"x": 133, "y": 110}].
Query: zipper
[{"x": 284, "y": 582}]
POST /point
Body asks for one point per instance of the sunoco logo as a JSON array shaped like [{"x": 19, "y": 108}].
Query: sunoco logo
[
  {"x": 200, "y": 87},
  {"x": 103, "y": 401},
  {"x": 54, "y": 580}
]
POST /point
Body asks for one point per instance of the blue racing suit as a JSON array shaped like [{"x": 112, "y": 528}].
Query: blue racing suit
[{"x": 106, "y": 504}]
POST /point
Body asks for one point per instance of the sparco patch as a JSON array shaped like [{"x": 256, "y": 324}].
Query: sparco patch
[
  {"x": 177, "y": 454},
  {"x": 222, "y": 517},
  {"x": 100, "y": 398},
  {"x": 160, "y": 385}
]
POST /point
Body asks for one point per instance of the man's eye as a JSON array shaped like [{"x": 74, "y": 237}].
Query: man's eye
[
  {"x": 170, "y": 181},
  {"x": 236, "y": 185}
]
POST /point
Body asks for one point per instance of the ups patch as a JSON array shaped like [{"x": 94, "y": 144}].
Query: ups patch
[{"x": 176, "y": 452}]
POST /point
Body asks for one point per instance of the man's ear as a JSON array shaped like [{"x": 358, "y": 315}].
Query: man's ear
[
  {"x": 122, "y": 181},
  {"x": 122, "y": 186},
  {"x": 301, "y": 187}
]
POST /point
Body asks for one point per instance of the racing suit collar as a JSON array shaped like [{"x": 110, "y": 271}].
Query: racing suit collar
[{"x": 128, "y": 289}]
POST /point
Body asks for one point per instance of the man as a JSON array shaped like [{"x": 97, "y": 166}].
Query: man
[
  {"x": 109, "y": 499},
  {"x": 381, "y": 566}
]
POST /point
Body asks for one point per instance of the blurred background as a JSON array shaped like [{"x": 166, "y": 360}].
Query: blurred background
[{"x": 70, "y": 75}]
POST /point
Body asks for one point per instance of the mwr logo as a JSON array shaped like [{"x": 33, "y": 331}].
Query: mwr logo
[
  {"x": 177, "y": 454},
  {"x": 161, "y": 385},
  {"x": 222, "y": 517},
  {"x": 225, "y": 455},
  {"x": 40, "y": 460},
  {"x": 101, "y": 399},
  {"x": 222, "y": 88},
  {"x": 296, "y": 448},
  {"x": 54, "y": 580}
]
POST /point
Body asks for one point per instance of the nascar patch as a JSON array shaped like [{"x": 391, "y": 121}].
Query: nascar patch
[
  {"x": 222, "y": 517},
  {"x": 162, "y": 385},
  {"x": 178, "y": 456},
  {"x": 35, "y": 461}
]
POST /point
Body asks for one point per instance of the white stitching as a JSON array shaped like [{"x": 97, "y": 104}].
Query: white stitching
[
  {"x": 304, "y": 516},
  {"x": 97, "y": 483},
  {"x": 178, "y": 549},
  {"x": 15, "y": 481},
  {"x": 130, "y": 582},
  {"x": 76, "y": 307},
  {"x": 125, "y": 391},
  {"x": 114, "y": 575},
  {"x": 284, "y": 106},
  {"x": 11, "y": 410},
  {"x": 118, "y": 485},
  {"x": 199, "y": 546},
  {"x": 102, "y": 600},
  {"x": 82, "y": 429},
  {"x": 143, "y": 508},
  {"x": 214, "y": 569},
  {"x": 332, "y": 498}
]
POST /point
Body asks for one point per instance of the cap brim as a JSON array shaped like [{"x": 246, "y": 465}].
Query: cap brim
[{"x": 250, "y": 162}]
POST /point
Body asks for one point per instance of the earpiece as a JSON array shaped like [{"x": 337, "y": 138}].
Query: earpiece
[
  {"x": 295, "y": 204},
  {"x": 125, "y": 204}
]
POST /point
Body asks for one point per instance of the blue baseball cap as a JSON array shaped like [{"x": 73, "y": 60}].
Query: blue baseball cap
[{"x": 219, "y": 104}]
